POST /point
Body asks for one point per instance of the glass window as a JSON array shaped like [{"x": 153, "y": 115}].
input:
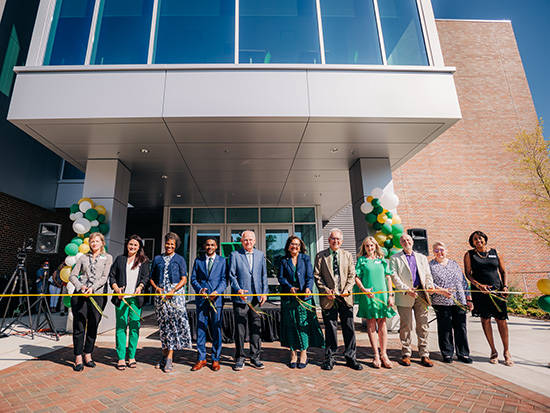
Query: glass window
[
  {"x": 69, "y": 32},
  {"x": 278, "y": 31},
  {"x": 208, "y": 215},
  {"x": 308, "y": 234},
  {"x": 180, "y": 216},
  {"x": 184, "y": 232},
  {"x": 402, "y": 32},
  {"x": 276, "y": 215},
  {"x": 241, "y": 215},
  {"x": 123, "y": 32},
  {"x": 191, "y": 31},
  {"x": 349, "y": 32},
  {"x": 304, "y": 214},
  {"x": 70, "y": 172}
]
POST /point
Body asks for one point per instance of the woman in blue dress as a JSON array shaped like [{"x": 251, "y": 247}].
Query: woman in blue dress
[
  {"x": 168, "y": 277},
  {"x": 373, "y": 275}
]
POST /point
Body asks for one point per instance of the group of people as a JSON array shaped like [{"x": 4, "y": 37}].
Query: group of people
[{"x": 417, "y": 282}]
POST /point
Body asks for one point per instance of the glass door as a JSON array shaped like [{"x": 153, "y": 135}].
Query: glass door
[
  {"x": 274, "y": 239},
  {"x": 200, "y": 233}
]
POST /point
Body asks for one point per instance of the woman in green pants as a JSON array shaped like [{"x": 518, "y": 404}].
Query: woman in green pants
[{"x": 129, "y": 275}]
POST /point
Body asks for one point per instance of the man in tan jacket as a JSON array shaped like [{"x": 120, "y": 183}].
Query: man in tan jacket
[
  {"x": 335, "y": 276},
  {"x": 411, "y": 272}
]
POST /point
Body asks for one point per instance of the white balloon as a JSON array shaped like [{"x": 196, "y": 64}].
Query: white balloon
[
  {"x": 70, "y": 260},
  {"x": 78, "y": 255},
  {"x": 388, "y": 222},
  {"x": 81, "y": 225},
  {"x": 390, "y": 201},
  {"x": 72, "y": 217},
  {"x": 78, "y": 215},
  {"x": 366, "y": 207},
  {"x": 377, "y": 193},
  {"x": 94, "y": 223},
  {"x": 84, "y": 206}
]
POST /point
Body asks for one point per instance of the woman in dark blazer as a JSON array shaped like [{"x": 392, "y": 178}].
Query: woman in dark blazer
[
  {"x": 129, "y": 275},
  {"x": 299, "y": 324}
]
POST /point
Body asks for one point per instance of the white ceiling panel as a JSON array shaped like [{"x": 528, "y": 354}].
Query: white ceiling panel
[
  {"x": 246, "y": 164},
  {"x": 353, "y": 151},
  {"x": 222, "y": 176},
  {"x": 239, "y": 150},
  {"x": 318, "y": 176}
]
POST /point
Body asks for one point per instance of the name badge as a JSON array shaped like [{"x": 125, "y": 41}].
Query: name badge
[
  {"x": 492, "y": 256},
  {"x": 378, "y": 262}
]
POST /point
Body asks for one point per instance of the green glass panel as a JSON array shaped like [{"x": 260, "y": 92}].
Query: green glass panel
[
  {"x": 208, "y": 216},
  {"x": 308, "y": 234},
  {"x": 180, "y": 216},
  {"x": 242, "y": 215},
  {"x": 184, "y": 232},
  {"x": 304, "y": 214},
  {"x": 276, "y": 215}
]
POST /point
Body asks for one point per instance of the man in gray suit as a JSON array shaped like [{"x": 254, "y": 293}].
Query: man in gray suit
[
  {"x": 248, "y": 274},
  {"x": 411, "y": 272},
  {"x": 334, "y": 275}
]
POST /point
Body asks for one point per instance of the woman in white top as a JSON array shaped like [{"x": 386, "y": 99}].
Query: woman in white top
[{"x": 129, "y": 276}]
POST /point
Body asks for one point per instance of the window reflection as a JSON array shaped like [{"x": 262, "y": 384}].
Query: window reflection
[
  {"x": 191, "y": 31},
  {"x": 350, "y": 33},
  {"x": 123, "y": 32},
  {"x": 69, "y": 32},
  {"x": 278, "y": 31},
  {"x": 403, "y": 38}
]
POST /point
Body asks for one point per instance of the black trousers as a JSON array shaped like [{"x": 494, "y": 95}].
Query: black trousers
[
  {"x": 86, "y": 319},
  {"x": 330, "y": 318},
  {"x": 451, "y": 321},
  {"x": 245, "y": 315}
]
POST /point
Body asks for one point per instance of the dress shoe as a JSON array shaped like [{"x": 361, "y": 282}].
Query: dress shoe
[
  {"x": 406, "y": 361},
  {"x": 199, "y": 365},
  {"x": 78, "y": 367},
  {"x": 215, "y": 365},
  {"x": 466, "y": 360},
  {"x": 90, "y": 364},
  {"x": 292, "y": 364},
  {"x": 257, "y": 364},
  {"x": 353, "y": 364},
  {"x": 426, "y": 362},
  {"x": 448, "y": 360},
  {"x": 328, "y": 364},
  {"x": 302, "y": 365},
  {"x": 239, "y": 365}
]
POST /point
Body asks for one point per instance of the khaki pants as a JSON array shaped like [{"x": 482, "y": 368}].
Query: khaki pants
[{"x": 422, "y": 329}]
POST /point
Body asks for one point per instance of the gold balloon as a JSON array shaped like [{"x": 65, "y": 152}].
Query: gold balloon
[
  {"x": 86, "y": 240},
  {"x": 396, "y": 219},
  {"x": 64, "y": 274},
  {"x": 370, "y": 198},
  {"x": 382, "y": 218},
  {"x": 544, "y": 286},
  {"x": 86, "y": 199},
  {"x": 100, "y": 209},
  {"x": 84, "y": 248},
  {"x": 380, "y": 237}
]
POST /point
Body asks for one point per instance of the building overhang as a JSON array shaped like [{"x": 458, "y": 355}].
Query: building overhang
[{"x": 234, "y": 135}]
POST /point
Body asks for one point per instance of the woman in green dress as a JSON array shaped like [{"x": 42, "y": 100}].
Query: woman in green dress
[
  {"x": 373, "y": 275},
  {"x": 299, "y": 324}
]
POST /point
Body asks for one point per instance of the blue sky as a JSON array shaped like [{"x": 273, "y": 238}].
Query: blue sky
[{"x": 530, "y": 22}]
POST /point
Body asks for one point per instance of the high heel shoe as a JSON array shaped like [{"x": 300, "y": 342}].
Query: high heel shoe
[
  {"x": 386, "y": 363},
  {"x": 303, "y": 365},
  {"x": 78, "y": 367},
  {"x": 508, "y": 360},
  {"x": 376, "y": 362}
]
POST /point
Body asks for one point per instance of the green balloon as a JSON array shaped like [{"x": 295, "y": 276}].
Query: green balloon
[
  {"x": 74, "y": 208},
  {"x": 87, "y": 234},
  {"x": 104, "y": 228},
  {"x": 388, "y": 244},
  {"x": 77, "y": 240},
  {"x": 386, "y": 229},
  {"x": 378, "y": 210},
  {"x": 71, "y": 249},
  {"x": 67, "y": 301},
  {"x": 389, "y": 215},
  {"x": 91, "y": 214},
  {"x": 397, "y": 241},
  {"x": 544, "y": 303},
  {"x": 94, "y": 229},
  {"x": 397, "y": 229},
  {"x": 377, "y": 226},
  {"x": 384, "y": 251},
  {"x": 392, "y": 253},
  {"x": 370, "y": 218},
  {"x": 101, "y": 218},
  {"x": 375, "y": 202}
]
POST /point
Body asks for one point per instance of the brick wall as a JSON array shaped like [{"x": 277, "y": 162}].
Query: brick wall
[
  {"x": 460, "y": 182},
  {"x": 19, "y": 220}
]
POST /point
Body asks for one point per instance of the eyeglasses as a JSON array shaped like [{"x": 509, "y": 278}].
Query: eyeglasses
[
  {"x": 335, "y": 239},
  {"x": 439, "y": 250},
  {"x": 292, "y": 244}
]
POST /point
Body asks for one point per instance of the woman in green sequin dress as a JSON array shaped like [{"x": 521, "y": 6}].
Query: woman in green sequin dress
[{"x": 373, "y": 275}]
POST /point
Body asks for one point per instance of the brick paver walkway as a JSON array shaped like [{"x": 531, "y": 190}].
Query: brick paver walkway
[{"x": 49, "y": 384}]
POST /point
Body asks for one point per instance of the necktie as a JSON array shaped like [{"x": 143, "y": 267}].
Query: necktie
[
  {"x": 336, "y": 270},
  {"x": 210, "y": 262}
]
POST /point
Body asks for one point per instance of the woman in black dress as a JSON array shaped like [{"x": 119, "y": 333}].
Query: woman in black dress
[{"x": 485, "y": 270}]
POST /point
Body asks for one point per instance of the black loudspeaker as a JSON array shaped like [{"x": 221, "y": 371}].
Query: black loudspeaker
[
  {"x": 47, "y": 241},
  {"x": 420, "y": 238}
]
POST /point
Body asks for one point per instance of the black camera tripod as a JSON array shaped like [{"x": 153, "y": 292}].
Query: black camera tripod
[{"x": 20, "y": 277}]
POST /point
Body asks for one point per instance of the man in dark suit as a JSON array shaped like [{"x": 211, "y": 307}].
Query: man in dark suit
[
  {"x": 248, "y": 274},
  {"x": 334, "y": 275},
  {"x": 209, "y": 277}
]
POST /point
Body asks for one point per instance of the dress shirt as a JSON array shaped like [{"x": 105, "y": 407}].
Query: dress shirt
[{"x": 411, "y": 259}]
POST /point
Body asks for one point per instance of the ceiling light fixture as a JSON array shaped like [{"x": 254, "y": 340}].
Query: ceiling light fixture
[
  {"x": 164, "y": 176},
  {"x": 178, "y": 196},
  {"x": 144, "y": 150},
  {"x": 334, "y": 150}
]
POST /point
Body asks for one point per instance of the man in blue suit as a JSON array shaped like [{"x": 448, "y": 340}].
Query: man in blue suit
[
  {"x": 209, "y": 277},
  {"x": 248, "y": 274}
]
